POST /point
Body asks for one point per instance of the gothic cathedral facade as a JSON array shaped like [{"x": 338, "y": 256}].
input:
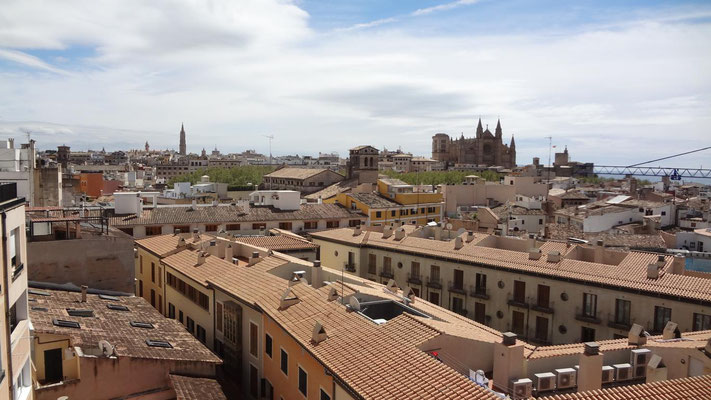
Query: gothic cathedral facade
[{"x": 485, "y": 149}]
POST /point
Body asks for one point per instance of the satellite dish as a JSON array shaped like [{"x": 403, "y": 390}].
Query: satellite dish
[
  {"x": 106, "y": 348},
  {"x": 449, "y": 226}
]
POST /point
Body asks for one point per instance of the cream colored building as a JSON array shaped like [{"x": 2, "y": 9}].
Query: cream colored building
[
  {"x": 546, "y": 292},
  {"x": 15, "y": 365}
]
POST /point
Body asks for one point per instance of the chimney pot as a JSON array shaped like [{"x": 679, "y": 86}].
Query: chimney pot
[
  {"x": 509, "y": 338},
  {"x": 592, "y": 348}
]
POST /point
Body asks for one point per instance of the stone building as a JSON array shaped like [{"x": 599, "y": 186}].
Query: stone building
[{"x": 485, "y": 149}]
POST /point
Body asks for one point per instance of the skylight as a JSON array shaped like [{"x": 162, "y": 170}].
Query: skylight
[
  {"x": 107, "y": 297},
  {"x": 116, "y": 307},
  {"x": 38, "y": 292},
  {"x": 65, "y": 324},
  {"x": 145, "y": 325},
  {"x": 76, "y": 312},
  {"x": 159, "y": 343}
]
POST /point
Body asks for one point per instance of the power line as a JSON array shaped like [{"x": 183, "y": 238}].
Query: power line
[{"x": 675, "y": 155}]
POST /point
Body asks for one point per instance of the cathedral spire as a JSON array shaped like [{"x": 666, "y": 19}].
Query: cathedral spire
[
  {"x": 513, "y": 142},
  {"x": 182, "y": 149},
  {"x": 479, "y": 129},
  {"x": 498, "y": 128}
]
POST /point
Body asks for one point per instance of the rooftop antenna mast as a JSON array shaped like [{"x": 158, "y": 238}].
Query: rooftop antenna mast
[{"x": 270, "y": 137}]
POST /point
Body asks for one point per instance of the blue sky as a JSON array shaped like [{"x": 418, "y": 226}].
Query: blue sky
[{"x": 618, "y": 82}]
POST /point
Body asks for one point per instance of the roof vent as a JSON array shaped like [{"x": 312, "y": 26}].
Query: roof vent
[
  {"x": 288, "y": 299},
  {"x": 196, "y": 235},
  {"x": 332, "y": 294},
  {"x": 592, "y": 348},
  {"x": 318, "y": 334},
  {"x": 458, "y": 243},
  {"x": 470, "y": 236},
  {"x": 201, "y": 258},
  {"x": 509, "y": 339},
  {"x": 181, "y": 243},
  {"x": 661, "y": 261},
  {"x": 670, "y": 331},
  {"x": 400, "y": 234},
  {"x": 554, "y": 256},
  {"x": 176, "y": 232},
  {"x": 297, "y": 277},
  {"x": 387, "y": 231},
  {"x": 534, "y": 253},
  {"x": 253, "y": 259},
  {"x": 653, "y": 271},
  {"x": 392, "y": 286},
  {"x": 637, "y": 335},
  {"x": 357, "y": 231},
  {"x": 409, "y": 293}
]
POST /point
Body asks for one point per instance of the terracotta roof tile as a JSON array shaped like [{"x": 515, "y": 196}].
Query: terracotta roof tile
[
  {"x": 698, "y": 387},
  {"x": 296, "y": 173},
  {"x": 189, "y": 388},
  {"x": 277, "y": 243}
]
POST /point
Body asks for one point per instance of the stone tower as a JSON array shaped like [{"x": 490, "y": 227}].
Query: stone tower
[{"x": 182, "y": 150}]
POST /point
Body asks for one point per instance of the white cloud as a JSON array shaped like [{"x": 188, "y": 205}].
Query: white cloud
[
  {"x": 28, "y": 60},
  {"x": 443, "y": 7},
  {"x": 233, "y": 71}
]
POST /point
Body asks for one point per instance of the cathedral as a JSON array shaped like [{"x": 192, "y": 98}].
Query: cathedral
[{"x": 485, "y": 149}]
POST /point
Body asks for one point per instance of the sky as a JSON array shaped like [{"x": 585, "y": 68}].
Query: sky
[{"x": 617, "y": 82}]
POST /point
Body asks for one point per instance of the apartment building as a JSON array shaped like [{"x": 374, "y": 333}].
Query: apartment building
[
  {"x": 15, "y": 374},
  {"x": 304, "y": 180},
  {"x": 394, "y": 201},
  {"x": 546, "y": 292},
  {"x": 477, "y": 192},
  {"x": 266, "y": 210},
  {"x": 98, "y": 346},
  {"x": 619, "y": 210}
]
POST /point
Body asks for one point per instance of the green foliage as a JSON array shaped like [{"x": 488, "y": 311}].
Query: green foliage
[
  {"x": 594, "y": 180},
  {"x": 237, "y": 178},
  {"x": 440, "y": 177}
]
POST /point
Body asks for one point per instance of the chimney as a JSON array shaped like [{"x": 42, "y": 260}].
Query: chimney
[
  {"x": 181, "y": 243},
  {"x": 318, "y": 334},
  {"x": 652, "y": 271},
  {"x": 599, "y": 251},
  {"x": 357, "y": 231},
  {"x": 193, "y": 206},
  {"x": 554, "y": 256},
  {"x": 196, "y": 235},
  {"x": 387, "y": 231},
  {"x": 213, "y": 247},
  {"x": 201, "y": 258},
  {"x": 317, "y": 275},
  {"x": 508, "y": 361},
  {"x": 139, "y": 206},
  {"x": 84, "y": 288},
  {"x": 458, "y": 243},
  {"x": 534, "y": 254},
  {"x": 470, "y": 236},
  {"x": 229, "y": 252},
  {"x": 590, "y": 368},
  {"x": 253, "y": 259},
  {"x": 678, "y": 264},
  {"x": 400, "y": 234},
  {"x": 320, "y": 200}
]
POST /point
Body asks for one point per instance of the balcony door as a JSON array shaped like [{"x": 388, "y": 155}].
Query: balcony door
[
  {"x": 53, "y": 366},
  {"x": 544, "y": 294}
]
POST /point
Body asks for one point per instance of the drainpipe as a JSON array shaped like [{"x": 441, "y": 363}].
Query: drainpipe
[{"x": 8, "y": 347}]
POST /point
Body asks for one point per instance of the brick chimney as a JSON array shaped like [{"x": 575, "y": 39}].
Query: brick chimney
[{"x": 590, "y": 372}]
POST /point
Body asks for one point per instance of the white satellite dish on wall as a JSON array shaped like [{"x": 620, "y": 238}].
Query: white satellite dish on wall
[
  {"x": 449, "y": 226},
  {"x": 106, "y": 348}
]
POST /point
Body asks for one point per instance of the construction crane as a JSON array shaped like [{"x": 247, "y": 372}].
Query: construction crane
[{"x": 675, "y": 173}]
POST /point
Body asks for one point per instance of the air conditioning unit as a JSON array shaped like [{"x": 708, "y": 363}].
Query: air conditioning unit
[
  {"x": 640, "y": 357},
  {"x": 640, "y": 371},
  {"x": 623, "y": 372},
  {"x": 565, "y": 378},
  {"x": 521, "y": 388},
  {"x": 545, "y": 381},
  {"x": 608, "y": 374}
]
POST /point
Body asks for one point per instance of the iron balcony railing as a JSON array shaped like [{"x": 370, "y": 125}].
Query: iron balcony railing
[
  {"x": 581, "y": 315},
  {"x": 415, "y": 279},
  {"x": 480, "y": 292}
]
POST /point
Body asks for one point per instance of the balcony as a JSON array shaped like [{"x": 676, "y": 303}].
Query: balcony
[
  {"x": 372, "y": 270},
  {"x": 350, "y": 267},
  {"x": 618, "y": 323},
  {"x": 517, "y": 301},
  {"x": 541, "y": 307},
  {"x": 434, "y": 283},
  {"x": 463, "y": 312},
  {"x": 456, "y": 287},
  {"x": 387, "y": 273},
  {"x": 580, "y": 315},
  {"x": 479, "y": 292},
  {"x": 415, "y": 279},
  {"x": 17, "y": 271}
]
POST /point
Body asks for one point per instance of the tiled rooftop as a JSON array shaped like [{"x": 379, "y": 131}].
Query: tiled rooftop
[
  {"x": 189, "y": 388},
  {"x": 373, "y": 200},
  {"x": 295, "y": 173},
  {"x": 277, "y": 243},
  {"x": 630, "y": 273},
  {"x": 698, "y": 387},
  {"x": 162, "y": 245},
  {"x": 232, "y": 214},
  {"x": 115, "y": 327}
]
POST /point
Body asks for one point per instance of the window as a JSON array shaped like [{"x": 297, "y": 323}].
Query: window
[
  {"x": 311, "y": 225},
  {"x": 587, "y": 334},
  {"x": 458, "y": 279},
  {"x": 544, "y": 294},
  {"x": 116, "y": 307},
  {"x": 159, "y": 343},
  {"x": 324, "y": 395},
  {"x": 144, "y": 325},
  {"x": 253, "y": 339},
  {"x": 434, "y": 273},
  {"x": 233, "y": 323},
  {"x": 481, "y": 283},
  {"x": 140, "y": 288},
  {"x": 253, "y": 381},
  {"x": 153, "y": 230},
  {"x": 218, "y": 316},
  {"x": 180, "y": 316},
  {"x": 65, "y": 324},
  {"x": 284, "y": 362},
  {"x": 160, "y": 277},
  {"x": 140, "y": 264},
  {"x": 232, "y": 227},
  {"x": 702, "y": 322},
  {"x": 153, "y": 272},
  {"x": 542, "y": 329},
  {"x": 415, "y": 269},
  {"x": 160, "y": 304},
  {"x": 353, "y": 223},
  {"x": 332, "y": 224},
  {"x": 181, "y": 228},
  {"x": 76, "y": 312},
  {"x": 201, "y": 334},
  {"x": 540, "y": 221},
  {"x": 387, "y": 264},
  {"x": 153, "y": 297},
  {"x": 211, "y": 228},
  {"x": 517, "y": 318},
  {"x": 171, "y": 311},
  {"x": 268, "y": 345},
  {"x": 662, "y": 315},
  {"x": 191, "y": 325},
  {"x": 519, "y": 291},
  {"x": 622, "y": 312},
  {"x": 372, "y": 263},
  {"x": 285, "y": 225},
  {"x": 589, "y": 305},
  {"x": 378, "y": 214},
  {"x": 303, "y": 381},
  {"x": 259, "y": 225}
]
